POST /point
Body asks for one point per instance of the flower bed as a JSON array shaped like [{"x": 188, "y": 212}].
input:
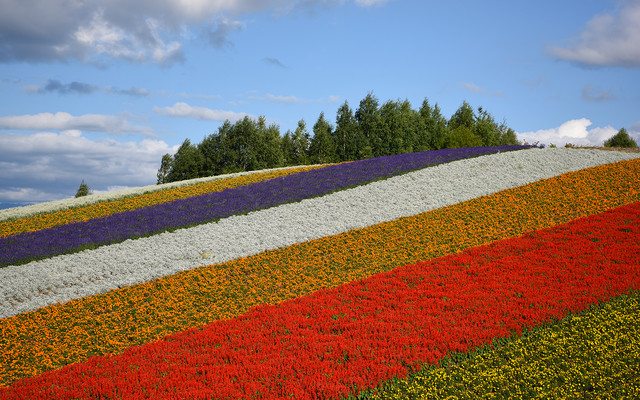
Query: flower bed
[
  {"x": 133, "y": 200},
  {"x": 54, "y": 336},
  {"x": 140, "y": 222},
  {"x": 595, "y": 353},
  {"x": 70, "y": 276},
  {"x": 335, "y": 341}
]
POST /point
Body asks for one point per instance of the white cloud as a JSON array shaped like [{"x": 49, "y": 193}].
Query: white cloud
[
  {"x": 103, "y": 37},
  {"x": 48, "y": 166},
  {"x": 139, "y": 31},
  {"x": 66, "y": 121},
  {"x": 574, "y": 131},
  {"x": 472, "y": 87},
  {"x": 185, "y": 110},
  {"x": 608, "y": 39}
]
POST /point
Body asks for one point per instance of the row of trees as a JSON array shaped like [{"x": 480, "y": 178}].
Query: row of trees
[{"x": 372, "y": 130}]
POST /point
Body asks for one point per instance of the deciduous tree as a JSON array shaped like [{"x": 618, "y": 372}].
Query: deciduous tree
[
  {"x": 621, "y": 139},
  {"x": 322, "y": 148}
]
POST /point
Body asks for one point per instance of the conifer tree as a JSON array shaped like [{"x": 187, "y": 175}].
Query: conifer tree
[{"x": 83, "y": 190}]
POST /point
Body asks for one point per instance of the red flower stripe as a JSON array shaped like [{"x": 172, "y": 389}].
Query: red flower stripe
[{"x": 337, "y": 341}]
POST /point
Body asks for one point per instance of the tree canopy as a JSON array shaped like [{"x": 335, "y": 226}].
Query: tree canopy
[
  {"x": 621, "y": 139},
  {"x": 83, "y": 190},
  {"x": 372, "y": 130}
]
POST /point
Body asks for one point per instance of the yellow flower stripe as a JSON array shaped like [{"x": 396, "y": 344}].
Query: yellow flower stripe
[
  {"x": 54, "y": 336},
  {"x": 84, "y": 213},
  {"x": 595, "y": 354}
]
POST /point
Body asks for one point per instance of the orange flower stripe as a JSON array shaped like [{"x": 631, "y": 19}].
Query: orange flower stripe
[
  {"x": 52, "y": 337},
  {"x": 84, "y": 213}
]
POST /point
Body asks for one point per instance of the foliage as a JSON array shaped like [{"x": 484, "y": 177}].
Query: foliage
[
  {"x": 346, "y": 137},
  {"x": 322, "y": 148},
  {"x": 462, "y": 136},
  {"x": 372, "y": 131},
  {"x": 83, "y": 190},
  {"x": 295, "y": 146},
  {"x": 621, "y": 139}
]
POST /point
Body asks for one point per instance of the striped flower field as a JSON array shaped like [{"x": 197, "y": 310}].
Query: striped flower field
[{"x": 505, "y": 272}]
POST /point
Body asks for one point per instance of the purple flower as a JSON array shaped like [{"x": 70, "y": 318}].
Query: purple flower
[{"x": 213, "y": 206}]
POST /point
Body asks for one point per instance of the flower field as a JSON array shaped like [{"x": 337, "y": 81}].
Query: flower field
[
  {"x": 118, "y": 223},
  {"x": 506, "y": 274}
]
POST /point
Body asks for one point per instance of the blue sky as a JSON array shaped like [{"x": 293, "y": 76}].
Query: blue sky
[{"x": 100, "y": 90}]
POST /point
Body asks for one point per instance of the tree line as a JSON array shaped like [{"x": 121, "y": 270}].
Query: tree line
[{"x": 372, "y": 130}]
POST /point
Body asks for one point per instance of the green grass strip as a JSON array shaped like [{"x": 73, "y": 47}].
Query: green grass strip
[{"x": 592, "y": 354}]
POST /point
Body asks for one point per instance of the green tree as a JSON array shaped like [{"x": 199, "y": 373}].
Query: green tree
[
  {"x": 398, "y": 127},
  {"x": 212, "y": 153},
  {"x": 165, "y": 169},
  {"x": 409, "y": 124},
  {"x": 463, "y": 136},
  {"x": 435, "y": 127},
  {"x": 243, "y": 142},
  {"x": 345, "y": 133},
  {"x": 188, "y": 163},
  {"x": 322, "y": 148},
  {"x": 296, "y": 145},
  {"x": 464, "y": 116},
  {"x": 507, "y": 135},
  {"x": 621, "y": 139},
  {"x": 83, "y": 190},
  {"x": 288, "y": 148},
  {"x": 302, "y": 140},
  {"x": 368, "y": 125},
  {"x": 268, "y": 146},
  {"x": 486, "y": 128}
]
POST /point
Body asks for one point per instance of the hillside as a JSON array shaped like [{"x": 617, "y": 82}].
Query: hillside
[{"x": 364, "y": 273}]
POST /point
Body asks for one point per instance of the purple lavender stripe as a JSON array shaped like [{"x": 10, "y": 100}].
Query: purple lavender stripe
[{"x": 213, "y": 206}]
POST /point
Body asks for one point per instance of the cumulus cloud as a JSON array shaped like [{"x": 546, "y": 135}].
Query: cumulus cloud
[
  {"x": 576, "y": 132},
  {"x": 47, "y": 166},
  {"x": 184, "y": 110},
  {"x": 140, "y": 31},
  {"x": 64, "y": 121},
  {"x": 472, "y": 87},
  {"x": 609, "y": 39}
]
